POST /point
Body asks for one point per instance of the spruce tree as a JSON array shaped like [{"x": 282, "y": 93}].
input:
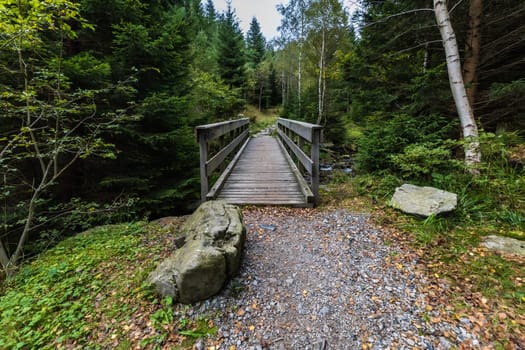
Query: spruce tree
[
  {"x": 255, "y": 43},
  {"x": 231, "y": 57}
]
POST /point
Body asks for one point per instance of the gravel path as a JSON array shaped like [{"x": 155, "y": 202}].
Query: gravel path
[{"x": 313, "y": 279}]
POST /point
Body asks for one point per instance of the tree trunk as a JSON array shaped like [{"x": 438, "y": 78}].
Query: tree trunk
[
  {"x": 466, "y": 116},
  {"x": 261, "y": 90},
  {"x": 13, "y": 260},
  {"x": 283, "y": 90},
  {"x": 426, "y": 59},
  {"x": 4, "y": 258},
  {"x": 299, "y": 80},
  {"x": 472, "y": 50},
  {"x": 321, "y": 79}
]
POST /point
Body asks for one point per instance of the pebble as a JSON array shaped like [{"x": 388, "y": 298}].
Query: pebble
[{"x": 321, "y": 280}]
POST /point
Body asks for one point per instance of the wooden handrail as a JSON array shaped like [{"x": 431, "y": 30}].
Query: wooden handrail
[
  {"x": 288, "y": 130},
  {"x": 238, "y": 130}
]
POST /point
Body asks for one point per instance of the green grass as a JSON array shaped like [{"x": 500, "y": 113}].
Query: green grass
[
  {"x": 260, "y": 120},
  {"x": 89, "y": 292}
]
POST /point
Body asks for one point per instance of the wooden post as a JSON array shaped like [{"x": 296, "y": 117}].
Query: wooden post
[
  {"x": 203, "y": 150},
  {"x": 300, "y": 143},
  {"x": 316, "y": 144}
]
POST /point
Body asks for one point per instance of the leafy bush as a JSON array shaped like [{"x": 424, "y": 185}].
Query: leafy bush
[
  {"x": 420, "y": 160},
  {"x": 383, "y": 139}
]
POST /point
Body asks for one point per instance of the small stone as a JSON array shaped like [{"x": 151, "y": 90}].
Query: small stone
[
  {"x": 464, "y": 320},
  {"x": 445, "y": 343},
  {"x": 199, "y": 345},
  {"x": 268, "y": 227},
  {"x": 321, "y": 345},
  {"x": 325, "y": 311}
]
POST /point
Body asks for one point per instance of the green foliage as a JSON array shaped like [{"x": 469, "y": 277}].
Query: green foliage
[
  {"x": 48, "y": 124},
  {"x": 380, "y": 185},
  {"x": 51, "y": 300},
  {"x": 86, "y": 71},
  {"x": 231, "y": 53},
  {"x": 385, "y": 141},
  {"x": 420, "y": 160},
  {"x": 255, "y": 43},
  {"x": 212, "y": 99}
]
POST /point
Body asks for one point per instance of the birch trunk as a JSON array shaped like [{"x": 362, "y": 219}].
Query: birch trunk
[
  {"x": 472, "y": 50},
  {"x": 466, "y": 115},
  {"x": 299, "y": 80},
  {"x": 283, "y": 89},
  {"x": 321, "y": 79}
]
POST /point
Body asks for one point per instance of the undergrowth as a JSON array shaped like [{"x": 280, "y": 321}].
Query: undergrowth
[
  {"x": 89, "y": 292},
  {"x": 260, "y": 120}
]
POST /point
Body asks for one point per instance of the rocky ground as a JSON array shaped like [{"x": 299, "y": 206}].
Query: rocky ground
[{"x": 326, "y": 279}]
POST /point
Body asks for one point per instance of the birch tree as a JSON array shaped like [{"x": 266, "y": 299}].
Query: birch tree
[
  {"x": 328, "y": 28},
  {"x": 293, "y": 29},
  {"x": 457, "y": 86}
]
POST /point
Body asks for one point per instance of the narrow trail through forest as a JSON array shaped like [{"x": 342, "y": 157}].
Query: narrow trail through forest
[{"x": 326, "y": 279}]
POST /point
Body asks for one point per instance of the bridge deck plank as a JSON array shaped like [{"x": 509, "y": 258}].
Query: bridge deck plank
[{"x": 263, "y": 176}]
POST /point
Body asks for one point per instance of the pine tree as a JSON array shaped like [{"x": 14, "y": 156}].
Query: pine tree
[
  {"x": 255, "y": 43},
  {"x": 231, "y": 57}
]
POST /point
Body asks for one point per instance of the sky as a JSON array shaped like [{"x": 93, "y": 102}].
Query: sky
[{"x": 264, "y": 10}]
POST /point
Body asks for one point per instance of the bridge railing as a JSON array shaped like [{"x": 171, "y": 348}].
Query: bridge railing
[
  {"x": 303, "y": 141},
  {"x": 217, "y": 142}
]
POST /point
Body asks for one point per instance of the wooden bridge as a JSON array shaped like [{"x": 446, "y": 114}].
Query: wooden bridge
[{"x": 262, "y": 170}]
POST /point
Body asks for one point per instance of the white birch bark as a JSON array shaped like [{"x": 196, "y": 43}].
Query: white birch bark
[
  {"x": 300, "y": 78},
  {"x": 466, "y": 115},
  {"x": 321, "y": 78}
]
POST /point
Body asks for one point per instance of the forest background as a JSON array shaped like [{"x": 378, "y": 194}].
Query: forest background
[{"x": 99, "y": 100}]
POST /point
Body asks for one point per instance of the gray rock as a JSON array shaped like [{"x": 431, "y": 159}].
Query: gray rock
[
  {"x": 505, "y": 245},
  {"x": 423, "y": 201},
  {"x": 215, "y": 237},
  {"x": 325, "y": 311}
]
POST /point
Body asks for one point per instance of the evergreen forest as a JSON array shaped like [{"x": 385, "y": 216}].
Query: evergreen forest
[{"x": 99, "y": 101}]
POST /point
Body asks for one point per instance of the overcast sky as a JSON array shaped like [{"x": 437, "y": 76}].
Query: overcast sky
[{"x": 264, "y": 10}]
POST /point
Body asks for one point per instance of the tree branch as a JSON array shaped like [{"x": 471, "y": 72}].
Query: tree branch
[{"x": 384, "y": 19}]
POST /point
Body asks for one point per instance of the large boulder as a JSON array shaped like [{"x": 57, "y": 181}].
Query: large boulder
[
  {"x": 424, "y": 201},
  {"x": 214, "y": 239}
]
